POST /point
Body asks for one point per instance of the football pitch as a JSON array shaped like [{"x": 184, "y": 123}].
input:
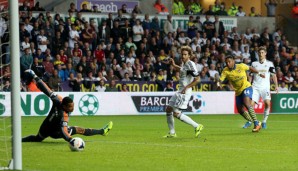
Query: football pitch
[{"x": 136, "y": 143}]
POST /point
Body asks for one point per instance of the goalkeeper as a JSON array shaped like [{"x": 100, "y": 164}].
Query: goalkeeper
[{"x": 55, "y": 124}]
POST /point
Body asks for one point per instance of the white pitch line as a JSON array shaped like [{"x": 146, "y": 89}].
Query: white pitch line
[{"x": 192, "y": 146}]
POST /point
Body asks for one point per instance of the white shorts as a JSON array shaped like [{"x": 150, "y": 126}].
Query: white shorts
[
  {"x": 261, "y": 93},
  {"x": 179, "y": 101}
]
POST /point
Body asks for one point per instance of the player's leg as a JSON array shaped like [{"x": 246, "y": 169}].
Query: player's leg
[
  {"x": 90, "y": 131},
  {"x": 247, "y": 96},
  {"x": 41, "y": 135},
  {"x": 266, "y": 113},
  {"x": 170, "y": 118},
  {"x": 32, "y": 138},
  {"x": 242, "y": 112},
  {"x": 171, "y": 122},
  {"x": 255, "y": 99},
  {"x": 266, "y": 96},
  {"x": 186, "y": 119}
]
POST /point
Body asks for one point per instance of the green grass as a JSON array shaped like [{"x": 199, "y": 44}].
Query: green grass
[{"x": 136, "y": 143}]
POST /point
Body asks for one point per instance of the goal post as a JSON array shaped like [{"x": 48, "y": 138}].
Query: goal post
[{"x": 15, "y": 82}]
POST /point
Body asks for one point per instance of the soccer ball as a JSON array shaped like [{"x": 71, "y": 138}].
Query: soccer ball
[
  {"x": 195, "y": 104},
  {"x": 88, "y": 104},
  {"x": 77, "y": 144}
]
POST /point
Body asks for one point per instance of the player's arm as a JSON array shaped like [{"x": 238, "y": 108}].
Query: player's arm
[
  {"x": 177, "y": 67},
  {"x": 190, "y": 85},
  {"x": 273, "y": 73},
  {"x": 64, "y": 127},
  {"x": 42, "y": 86},
  {"x": 254, "y": 70},
  {"x": 221, "y": 79}
]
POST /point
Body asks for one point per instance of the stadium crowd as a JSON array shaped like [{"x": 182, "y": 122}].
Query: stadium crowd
[{"x": 87, "y": 57}]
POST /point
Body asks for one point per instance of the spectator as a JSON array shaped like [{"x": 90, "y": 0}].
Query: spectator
[
  {"x": 37, "y": 7},
  {"x": 75, "y": 83},
  {"x": 204, "y": 77},
  {"x": 112, "y": 87},
  {"x": 271, "y": 7},
  {"x": 240, "y": 12},
  {"x": 208, "y": 27},
  {"x": 120, "y": 18},
  {"x": 6, "y": 86},
  {"x": 216, "y": 6},
  {"x": 212, "y": 72},
  {"x": 61, "y": 73},
  {"x": 124, "y": 88},
  {"x": 288, "y": 78},
  {"x": 123, "y": 8},
  {"x": 282, "y": 87},
  {"x": 253, "y": 12},
  {"x": 25, "y": 6},
  {"x": 137, "y": 10},
  {"x": 95, "y": 9},
  {"x": 138, "y": 32},
  {"x": 163, "y": 11},
  {"x": 72, "y": 7},
  {"x": 295, "y": 10},
  {"x": 222, "y": 11},
  {"x": 158, "y": 6},
  {"x": 169, "y": 87},
  {"x": 74, "y": 36},
  {"x": 38, "y": 68},
  {"x": 89, "y": 82},
  {"x": 196, "y": 7},
  {"x": 294, "y": 86},
  {"x": 199, "y": 25},
  {"x": 25, "y": 44},
  {"x": 54, "y": 81},
  {"x": 188, "y": 10},
  {"x": 218, "y": 26},
  {"x": 178, "y": 7},
  {"x": 101, "y": 87},
  {"x": 233, "y": 10},
  {"x": 26, "y": 61},
  {"x": 168, "y": 25},
  {"x": 210, "y": 11},
  {"x": 85, "y": 8}
]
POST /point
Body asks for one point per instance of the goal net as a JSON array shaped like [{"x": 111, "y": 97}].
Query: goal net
[{"x": 5, "y": 121}]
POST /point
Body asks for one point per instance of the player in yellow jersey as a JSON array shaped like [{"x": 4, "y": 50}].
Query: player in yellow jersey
[{"x": 236, "y": 75}]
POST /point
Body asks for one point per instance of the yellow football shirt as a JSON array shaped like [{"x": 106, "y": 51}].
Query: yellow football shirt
[{"x": 237, "y": 77}]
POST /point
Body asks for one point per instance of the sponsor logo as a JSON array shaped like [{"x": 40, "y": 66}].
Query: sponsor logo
[
  {"x": 151, "y": 103},
  {"x": 195, "y": 104},
  {"x": 157, "y": 104},
  {"x": 88, "y": 104}
]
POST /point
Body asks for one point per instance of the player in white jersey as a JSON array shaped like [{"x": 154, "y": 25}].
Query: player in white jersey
[
  {"x": 189, "y": 77},
  {"x": 261, "y": 86}
]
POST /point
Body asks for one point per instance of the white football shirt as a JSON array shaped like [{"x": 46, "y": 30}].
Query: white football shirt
[
  {"x": 185, "y": 78},
  {"x": 263, "y": 68}
]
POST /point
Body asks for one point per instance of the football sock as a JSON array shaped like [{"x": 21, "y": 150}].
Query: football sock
[
  {"x": 90, "y": 132},
  {"x": 85, "y": 131},
  {"x": 253, "y": 115},
  {"x": 170, "y": 121},
  {"x": 266, "y": 114},
  {"x": 188, "y": 120},
  {"x": 246, "y": 116}
]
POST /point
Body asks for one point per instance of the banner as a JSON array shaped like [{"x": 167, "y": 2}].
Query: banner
[
  {"x": 120, "y": 103},
  {"x": 141, "y": 86},
  {"x": 106, "y": 6},
  {"x": 285, "y": 103}
]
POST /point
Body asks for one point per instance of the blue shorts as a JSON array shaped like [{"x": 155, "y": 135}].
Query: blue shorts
[{"x": 245, "y": 93}]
